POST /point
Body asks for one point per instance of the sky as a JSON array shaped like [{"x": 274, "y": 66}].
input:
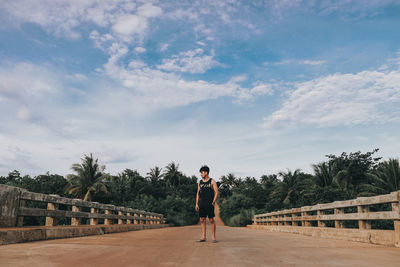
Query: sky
[{"x": 246, "y": 87}]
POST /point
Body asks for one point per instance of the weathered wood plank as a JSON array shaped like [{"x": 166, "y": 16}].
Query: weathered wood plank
[
  {"x": 23, "y": 211},
  {"x": 26, "y": 195}
]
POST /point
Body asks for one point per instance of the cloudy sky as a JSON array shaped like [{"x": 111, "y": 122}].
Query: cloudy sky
[{"x": 245, "y": 88}]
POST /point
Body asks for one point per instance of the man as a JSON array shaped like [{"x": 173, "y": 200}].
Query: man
[{"x": 207, "y": 194}]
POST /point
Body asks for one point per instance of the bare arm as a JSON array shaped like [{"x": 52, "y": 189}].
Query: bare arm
[
  {"x": 197, "y": 196},
  {"x": 215, "y": 187}
]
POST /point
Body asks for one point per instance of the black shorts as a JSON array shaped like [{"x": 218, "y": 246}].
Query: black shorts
[{"x": 206, "y": 211}]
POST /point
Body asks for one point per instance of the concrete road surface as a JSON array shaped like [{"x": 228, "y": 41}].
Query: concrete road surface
[{"x": 176, "y": 246}]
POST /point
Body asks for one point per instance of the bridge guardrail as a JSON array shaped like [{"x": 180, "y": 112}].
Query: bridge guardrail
[
  {"x": 13, "y": 209},
  {"x": 304, "y": 216}
]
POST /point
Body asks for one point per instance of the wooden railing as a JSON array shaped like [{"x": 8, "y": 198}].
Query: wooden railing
[
  {"x": 301, "y": 216},
  {"x": 13, "y": 208},
  {"x": 337, "y": 213}
]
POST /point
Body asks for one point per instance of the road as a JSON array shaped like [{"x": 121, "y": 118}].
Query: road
[{"x": 176, "y": 246}]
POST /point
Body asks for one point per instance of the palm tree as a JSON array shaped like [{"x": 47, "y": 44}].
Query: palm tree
[
  {"x": 289, "y": 186},
  {"x": 294, "y": 187},
  {"x": 230, "y": 180},
  {"x": 155, "y": 174},
  {"x": 119, "y": 187},
  {"x": 269, "y": 181},
  {"x": 323, "y": 174},
  {"x": 383, "y": 180},
  {"x": 88, "y": 180},
  {"x": 172, "y": 175}
]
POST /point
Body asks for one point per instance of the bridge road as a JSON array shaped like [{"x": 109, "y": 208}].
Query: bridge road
[{"x": 176, "y": 246}]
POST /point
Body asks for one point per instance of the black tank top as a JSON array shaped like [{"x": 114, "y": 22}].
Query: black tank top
[{"x": 206, "y": 193}]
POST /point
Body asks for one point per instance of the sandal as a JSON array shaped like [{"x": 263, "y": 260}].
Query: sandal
[{"x": 201, "y": 240}]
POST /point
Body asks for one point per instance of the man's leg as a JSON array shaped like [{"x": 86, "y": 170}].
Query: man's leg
[
  {"x": 203, "y": 227},
  {"x": 213, "y": 227}
]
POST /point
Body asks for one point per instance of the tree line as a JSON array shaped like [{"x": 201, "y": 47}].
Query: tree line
[
  {"x": 343, "y": 177},
  {"x": 170, "y": 192}
]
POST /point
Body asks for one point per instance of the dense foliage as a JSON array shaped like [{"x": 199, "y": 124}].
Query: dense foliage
[
  {"x": 170, "y": 192},
  {"x": 338, "y": 178},
  {"x": 167, "y": 191}
]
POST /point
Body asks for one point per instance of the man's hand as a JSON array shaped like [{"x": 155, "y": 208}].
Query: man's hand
[
  {"x": 197, "y": 207},
  {"x": 213, "y": 203}
]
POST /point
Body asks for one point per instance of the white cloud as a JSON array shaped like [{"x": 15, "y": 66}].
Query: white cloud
[
  {"x": 164, "y": 47},
  {"x": 140, "y": 49},
  {"x": 312, "y": 62},
  {"x": 149, "y": 11},
  {"x": 140, "y": 88},
  {"x": 298, "y": 62},
  {"x": 155, "y": 89},
  {"x": 239, "y": 78},
  {"x": 193, "y": 61},
  {"x": 130, "y": 24},
  {"x": 342, "y": 99},
  {"x": 26, "y": 81},
  {"x": 258, "y": 89},
  {"x": 36, "y": 96},
  {"x": 64, "y": 17}
]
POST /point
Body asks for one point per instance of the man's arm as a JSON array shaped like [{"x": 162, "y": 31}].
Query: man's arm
[
  {"x": 215, "y": 187},
  {"x": 197, "y": 197}
]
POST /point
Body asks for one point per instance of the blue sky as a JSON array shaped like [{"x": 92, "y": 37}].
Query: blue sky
[{"x": 248, "y": 88}]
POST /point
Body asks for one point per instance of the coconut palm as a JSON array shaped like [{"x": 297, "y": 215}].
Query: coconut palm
[
  {"x": 289, "y": 186},
  {"x": 230, "y": 180},
  {"x": 119, "y": 187},
  {"x": 383, "y": 180},
  {"x": 172, "y": 175},
  {"x": 323, "y": 174},
  {"x": 155, "y": 174},
  {"x": 295, "y": 186},
  {"x": 88, "y": 180}
]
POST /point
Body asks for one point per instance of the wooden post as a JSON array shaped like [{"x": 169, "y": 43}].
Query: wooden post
[
  {"x": 107, "y": 221},
  {"x": 396, "y": 208},
  {"x": 75, "y": 221},
  {"x": 93, "y": 221},
  {"x": 120, "y": 221},
  {"x": 338, "y": 223},
  {"x": 20, "y": 219},
  {"x": 294, "y": 216},
  {"x": 363, "y": 224},
  {"x": 321, "y": 223},
  {"x": 303, "y": 221},
  {"x": 51, "y": 221},
  {"x": 128, "y": 221}
]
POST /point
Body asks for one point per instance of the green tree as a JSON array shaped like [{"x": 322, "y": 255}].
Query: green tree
[
  {"x": 230, "y": 180},
  {"x": 118, "y": 188},
  {"x": 155, "y": 175},
  {"x": 383, "y": 180},
  {"x": 172, "y": 174},
  {"x": 296, "y": 188},
  {"x": 350, "y": 170},
  {"x": 88, "y": 180},
  {"x": 323, "y": 174}
]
